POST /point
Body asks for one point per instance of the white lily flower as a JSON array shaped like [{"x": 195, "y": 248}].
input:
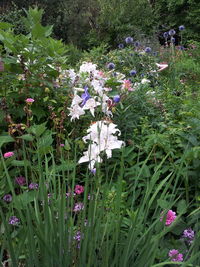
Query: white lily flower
[
  {"x": 75, "y": 112},
  {"x": 91, "y": 104},
  {"x": 76, "y": 100}
]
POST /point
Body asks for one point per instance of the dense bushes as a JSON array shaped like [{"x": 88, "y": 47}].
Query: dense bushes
[{"x": 89, "y": 23}]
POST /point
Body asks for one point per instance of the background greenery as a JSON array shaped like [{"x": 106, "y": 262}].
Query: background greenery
[{"x": 91, "y": 22}]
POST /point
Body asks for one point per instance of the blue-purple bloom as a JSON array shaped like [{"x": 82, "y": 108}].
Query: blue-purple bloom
[
  {"x": 129, "y": 40},
  {"x": 188, "y": 233},
  {"x": 7, "y": 198},
  {"x": 172, "y": 32},
  {"x": 116, "y": 98},
  {"x": 93, "y": 171},
  {"x": 33, "y": 186},
  {"x": 137, "y": 44},
  {"x": 173, "y": 40},
  {"x": 78, "y": 236},
  {"x": 111, "y": 66},
  {"x": 85, "y": 96},
  {"x": 181, "y": 28},
  {"x": 133, "y": 72},
  {"x": 165, "y": 35},
  {"x": 121, "y": 46},
  {"x": 148, "y": 50},
  {"x": 13, "y": 220}
]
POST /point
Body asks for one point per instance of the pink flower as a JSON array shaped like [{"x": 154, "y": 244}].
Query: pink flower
[
  {"x": 30, "y": 100},
  {"x": 79, "y": 189},
  {"x": 127, "y": 85},
  {"x": 8, "y": 155},
  {"x": 175, "y": 255},
  {"x": 62, "y": 145},
  {"x": 170, "y": 217}
]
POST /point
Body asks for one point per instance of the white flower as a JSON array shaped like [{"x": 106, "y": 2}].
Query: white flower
[
  {"x": 76, "y": 112},
  {"x": 88, "y": 67},
  {"x": 145, "y": 81},
  {"x": 102, "y": 139},
  {"x": 91, "y": 104},
  {"x": 76, "y": 100}
]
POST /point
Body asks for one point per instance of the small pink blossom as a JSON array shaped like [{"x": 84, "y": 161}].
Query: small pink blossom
[
  {"x": 30, "y": 100},
  {"x": 8, "y": 155},
  {"x": 175, "y": 255},
  {"x": 79, "y": 189},
  {"x": 170, "y": 217},
  {"x": 127, "y": 85},
  {"x": 62, "y": 145}
]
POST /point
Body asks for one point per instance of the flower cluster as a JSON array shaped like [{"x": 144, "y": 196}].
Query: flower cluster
[
  {"x": 188, "y": 235},
  {"x": 170, "y": 217},
  {"x": 102, "y": 138},
  {"x": 175, "y": 255}
]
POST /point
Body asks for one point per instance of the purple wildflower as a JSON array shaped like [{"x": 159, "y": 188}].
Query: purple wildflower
[
  {"x": 116, "y": 98},
  {"x": 173, "y": 40},
  {"x": 85, "y": 96},
  {"x": 172, "y": 32},
  {"x": 188, "y": 234},
  {"x": 181, "y": 28},
  {"x": 7, "y": 198},
  {"x": 165, "y": 35},
  {"x": 148, "y": 50},
  {"x": 121, "y": 46},
  {"x": 133, "y": 72},
  {"x": 78, "y": 207},
  {"x": 20, "y": 180},
  {"x": 137, "y": 44},
  {"x": 78, "y": 236},
  {"x": 129, "y": 40},
  {"x": 175, "y": 255},
  {"x": 33, "y": 186},
  {"x": 111, "y": 66},
  {"x": 93, "y": 171},
  {"x": 13, "y": 220}
]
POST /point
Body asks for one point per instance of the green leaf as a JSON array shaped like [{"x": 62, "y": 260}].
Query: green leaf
[
  {"x": 20, "y": 163},
  {"x": 182, "y": 207},
  {"x": 6, "y": 139},
  {"x": 38, "y": 130},
  {"x": 27, "y": 137}
]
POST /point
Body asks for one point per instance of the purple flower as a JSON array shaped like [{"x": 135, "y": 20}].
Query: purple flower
[
  {"x": 181, "y": 28},
  {"x": 7, "y": 198},
  {"x": 62, "y": 145},
  {"x": 129, "y": 40},
  {"x": 78, "y": 236},
  {"x": 20, "y": 180},
  {"x": 111, "y": 66},
  {"x": 121, "y": 46},
  {"x": 188, "y": 233},
  {"x": 93, "y": 171},
  {"x": 133, "y": 72},
  {"x": 173, "y": 40},
  {"x": 165, "y": 35},
  {"x": 175, "y": 255},
  {"x": 136, "y": 44},
  {"x": 85, "y": 96},
  {"x": 33, "y": 186},
  {"x": 148, "y": 50},
  {"x": 13, "y": 220},
  {"x": 172, "y": 32},
  {"x": 116, "y": 98},
  {"x": 78, "y": 206}
]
